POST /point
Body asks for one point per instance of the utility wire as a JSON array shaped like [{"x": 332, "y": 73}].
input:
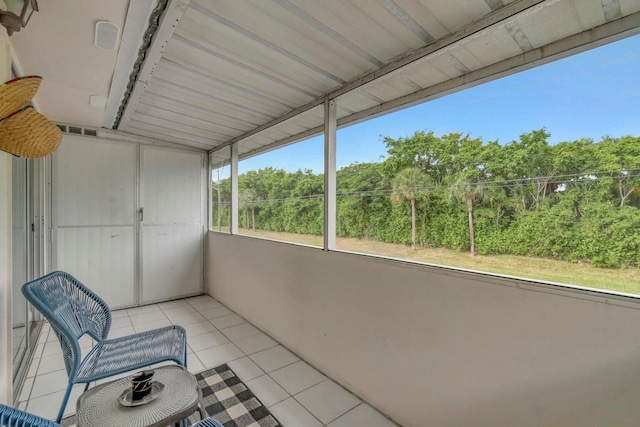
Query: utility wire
[{"x": 512, "y": 183}]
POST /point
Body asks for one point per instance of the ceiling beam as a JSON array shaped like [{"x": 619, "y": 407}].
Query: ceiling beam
[
  {"x": 166, "y": 27},
  {"x": 134, "y": 28},
  {"x": 120, "y": 136}
]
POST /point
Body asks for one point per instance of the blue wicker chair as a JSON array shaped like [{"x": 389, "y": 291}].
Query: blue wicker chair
[
  {"x": 73, "y": 311},
  {"x": 11, "y": 417}
]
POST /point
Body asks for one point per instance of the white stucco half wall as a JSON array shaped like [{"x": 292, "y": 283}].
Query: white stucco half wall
[{"x": 437, "y": 347}]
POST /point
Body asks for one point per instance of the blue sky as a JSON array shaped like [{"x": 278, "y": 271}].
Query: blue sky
[{"x": 589, "y": 95}]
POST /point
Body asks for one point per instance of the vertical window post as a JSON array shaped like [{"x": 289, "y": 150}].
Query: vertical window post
[
  {"x": 329, "y": 174},
  {"x": 209, "y": 189},
  {"x": 234, "y": 188}
]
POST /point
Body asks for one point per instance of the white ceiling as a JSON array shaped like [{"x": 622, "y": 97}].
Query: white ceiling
[
  {"x": 57, "y": 44},
  {"x": 257, "y": 71}
]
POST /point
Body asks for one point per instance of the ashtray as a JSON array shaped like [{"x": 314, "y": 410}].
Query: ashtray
[{"x": 126, "y": 398}]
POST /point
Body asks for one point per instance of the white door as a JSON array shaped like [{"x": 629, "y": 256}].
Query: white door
[
  {"x": 94, "y": 216},
  {"x": 171, "y": 218}
]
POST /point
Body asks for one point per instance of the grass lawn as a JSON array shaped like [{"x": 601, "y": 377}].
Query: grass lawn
[{"x": 582, "y": 274}]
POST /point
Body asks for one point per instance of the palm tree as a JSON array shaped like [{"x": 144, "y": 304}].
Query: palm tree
[
  {"x": 468, "y": 192},
  {"x": 408, "y": 184}
]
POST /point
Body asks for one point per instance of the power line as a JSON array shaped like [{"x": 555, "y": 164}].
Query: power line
[{"x": 513, "y": 183}]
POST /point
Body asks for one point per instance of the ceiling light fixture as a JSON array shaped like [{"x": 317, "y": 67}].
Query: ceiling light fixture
[
  {"x": 15, "y": 14},
  {"x": 107, "y": 35}
]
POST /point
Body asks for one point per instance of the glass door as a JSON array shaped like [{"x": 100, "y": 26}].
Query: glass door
[
  {"x": 20, "y": 260},
  {"x": 24, "y": 327}
]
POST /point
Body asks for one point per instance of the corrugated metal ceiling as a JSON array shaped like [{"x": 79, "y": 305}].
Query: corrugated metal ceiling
[{"x": 232, "y": 68}]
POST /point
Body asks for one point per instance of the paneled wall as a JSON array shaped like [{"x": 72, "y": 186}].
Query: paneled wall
[{"x": 128, "y": 220}]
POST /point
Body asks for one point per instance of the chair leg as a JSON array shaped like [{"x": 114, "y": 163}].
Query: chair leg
[
  {"x": 184, "y": 356},
  {"x": 64, "y": 403}
]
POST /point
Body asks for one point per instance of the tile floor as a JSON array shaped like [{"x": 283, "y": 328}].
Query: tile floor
[{"x": 297, "y": 394}]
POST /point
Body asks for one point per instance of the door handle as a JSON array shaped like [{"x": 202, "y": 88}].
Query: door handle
[{"x": 141, "y": 212}]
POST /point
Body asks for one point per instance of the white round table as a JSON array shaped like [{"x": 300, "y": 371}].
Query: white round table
[{"x": 181, "y": 397}]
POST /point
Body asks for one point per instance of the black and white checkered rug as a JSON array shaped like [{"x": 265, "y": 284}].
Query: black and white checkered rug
[
  {"x": 229, "y": 401},
  {"x": 226, "y": 399}
]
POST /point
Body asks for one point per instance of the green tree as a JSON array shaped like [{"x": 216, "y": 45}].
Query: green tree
[
  {"x": 248, "y": 201},
  {"x": 409, "y": 184},
  {"x": 622, "y": 155},
  {"x": 362, "y": 205},
  {"x": 528, "y": 165}
]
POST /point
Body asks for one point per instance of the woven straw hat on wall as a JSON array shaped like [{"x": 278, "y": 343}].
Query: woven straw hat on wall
[
  {"x": 23, "y": 131},
  {"x": 27, "y": 133}
]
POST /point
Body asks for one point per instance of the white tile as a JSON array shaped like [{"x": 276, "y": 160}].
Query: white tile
[
  {"x": 120, "y": 322},
  {"x": 51, "y": 348},
  {"x": 216, "y": 356},
  {"x": 142, "y": 310},
  {"x": 143, "y": 327},
  {"x": 52, "y": 337},
  {"x": 121, "y": 332},
  {"x": 77, "y": 390},
  {"x": 44, "y": 335},
  {"x": 214, "y": 313},
  {"x": 86, "y": 341},
  {"x": 51, "y": 364},
  {"x": 119, "y": 314},
  {"x": 178, "y": 311},
  {"x": 33, "y": 367},
  {"x": 240, "y": 331},
  {"x": 207, "y": 305},
  {"x": 26, "y": 389},
  {"x": 173, "y": 304},
  {"x": 210, "y": 339},
  {"x": 297, "y": 377},
  {"x": 200, "y": 299},
  {"x": 49, "y": 383},
  {"x": 290, "y": 413},
  {"x": 46, "y": 406},
  {"x": 227, "y": 321},
  {"x": 147, "y": 317},
  {"x": 187, "y": 319},
  {"x": 246, "y": 369},
  {"x": 327, "y": 401},
  {"x": 199, "y": 328},
  {"x": 274, "y": 358},
  {"x": 254, "y": 343},
  {"x": 267, "y": 391},
  {"x": 194, "y": 364},
  {"x": 39, "y": 350},
  {"x": 362, "y": 415}
]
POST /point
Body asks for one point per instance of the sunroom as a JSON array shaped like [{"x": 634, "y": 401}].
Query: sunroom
[{"x": 182, "y": 123}]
